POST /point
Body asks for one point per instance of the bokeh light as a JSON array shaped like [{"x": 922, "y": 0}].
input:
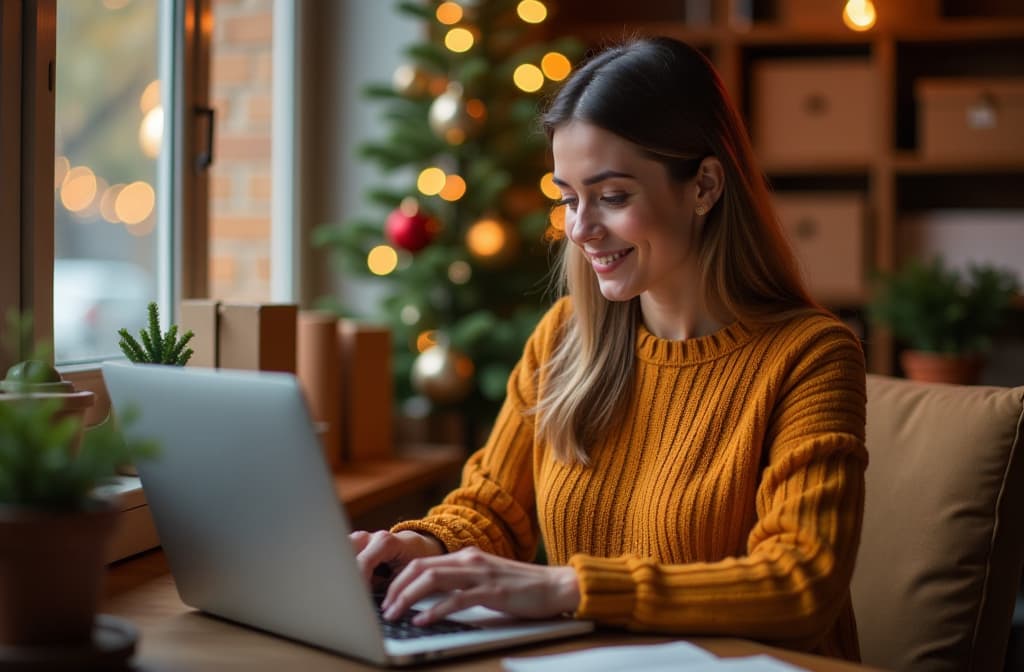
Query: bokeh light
[
  {"x": 449, "y": 13},
  {"x": 486, "y": 238},
  {"x": 556, "y": 66},
  {"x": 528, "y": 77},
  {"x": 454, "y": 188},
  {"x": 431, "y": 181},
  {"x": 107, "y": 201},
  {"x": 426, "y": 340},
  {"x": 151, "y": 132},
  {"x": 549, "y": 188},
  {"x": 382, "y": 260},
  {"x": 78, "y": 189},
  {"x": 859, "y": 15},
  {"x": 532, "y": 11},
  {"x": 460, "y": 272},
  {"x": 459, "y": 40},
  {"x": 150, "y": 97},
  {"x": 135, "y": 202}
]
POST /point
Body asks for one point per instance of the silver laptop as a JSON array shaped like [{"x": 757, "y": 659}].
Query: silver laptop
[{"x": 249, "y": 519}]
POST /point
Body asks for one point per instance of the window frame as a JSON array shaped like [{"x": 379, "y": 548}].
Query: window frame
[{"x": 27, "y": 131}]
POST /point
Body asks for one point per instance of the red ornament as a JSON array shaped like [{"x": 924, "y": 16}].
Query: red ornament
[{"x": 410, "y": 228}]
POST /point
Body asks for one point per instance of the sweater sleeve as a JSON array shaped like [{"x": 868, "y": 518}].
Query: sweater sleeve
[
  {"x": 494, "y": 508},
  {"x": 795, "y": 577}
]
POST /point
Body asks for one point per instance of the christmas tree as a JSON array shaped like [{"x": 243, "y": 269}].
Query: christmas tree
[{"x": 463, "y": 249}]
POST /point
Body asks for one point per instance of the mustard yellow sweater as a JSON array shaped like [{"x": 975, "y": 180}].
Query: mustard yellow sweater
[{"x": 729, "y": 501}]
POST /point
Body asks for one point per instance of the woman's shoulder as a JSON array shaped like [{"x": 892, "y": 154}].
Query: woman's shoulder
[
  {"x": 813, "y": 330},
  {"x": 554, "y": 321}
]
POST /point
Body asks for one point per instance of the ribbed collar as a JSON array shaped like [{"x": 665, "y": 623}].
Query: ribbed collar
[{"x": 656, "y": 350}]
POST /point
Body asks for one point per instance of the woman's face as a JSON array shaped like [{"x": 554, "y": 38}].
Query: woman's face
[{"x": 631, "y": 220}]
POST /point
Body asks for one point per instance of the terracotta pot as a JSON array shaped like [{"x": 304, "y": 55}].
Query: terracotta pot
[
  {"x": 934, "y": 367},
  {"x": 51, "y": 573}
]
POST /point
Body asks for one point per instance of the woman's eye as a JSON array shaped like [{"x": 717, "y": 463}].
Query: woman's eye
[
  {"x": 615, "y": 199},
  {"x": 568, "y": 201}
]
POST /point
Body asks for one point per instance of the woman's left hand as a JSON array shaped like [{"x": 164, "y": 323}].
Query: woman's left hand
[{"x": 471, "y": 577}]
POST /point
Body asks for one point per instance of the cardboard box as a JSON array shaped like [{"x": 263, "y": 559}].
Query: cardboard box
[
  {"x": 200, "y": 315},
  {"x": 368, "y": 391},
  {"x": 259, "y": 337},
  {"x": 814, "y": 110},
  {"x": 826, "y": 232},
  {"x": 318, "y": 368},
  {"x": 968, "y": 118}
]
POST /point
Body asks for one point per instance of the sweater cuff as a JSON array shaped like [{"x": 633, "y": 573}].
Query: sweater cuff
[
  {"x": 607, "y": 589},
  {"x": 453, "y": 534}
]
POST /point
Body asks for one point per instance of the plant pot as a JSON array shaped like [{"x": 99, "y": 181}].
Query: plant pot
[
  {"x": 935, "y": 367},
  {"x": 51, "y": 573},
  {"x": 72, "y": 404}
]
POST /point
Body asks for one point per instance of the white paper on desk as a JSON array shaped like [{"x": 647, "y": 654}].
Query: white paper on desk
[
  {"x": 671, "y": 657},
  {"x": 613, "y": 658}
]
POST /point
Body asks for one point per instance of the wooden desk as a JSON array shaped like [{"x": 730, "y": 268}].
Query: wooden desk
[{"x": 176, "y": 637}]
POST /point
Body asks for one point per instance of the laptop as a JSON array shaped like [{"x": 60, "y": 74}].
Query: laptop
[{"x": 250, "y": 522}]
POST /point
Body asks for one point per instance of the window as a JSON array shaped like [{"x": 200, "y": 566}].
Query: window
[{"x": 98, "y": 187}]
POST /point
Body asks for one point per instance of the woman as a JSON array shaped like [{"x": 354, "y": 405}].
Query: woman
[{"x": 685, "y": 429}]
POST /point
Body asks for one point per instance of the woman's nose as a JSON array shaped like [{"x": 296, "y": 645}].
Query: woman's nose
[{"x": 585, "y": 225}]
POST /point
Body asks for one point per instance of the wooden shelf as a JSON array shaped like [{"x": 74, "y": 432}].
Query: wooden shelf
[
  {"x": 910, "y": 163},
  {"x": 364, "y": 486},
  {"x": 822, "y": 167}
]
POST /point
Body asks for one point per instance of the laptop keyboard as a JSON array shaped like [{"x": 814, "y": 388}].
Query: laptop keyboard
[{"x": 403, "y": 627}]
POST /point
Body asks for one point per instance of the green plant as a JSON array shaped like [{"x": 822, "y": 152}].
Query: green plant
[
  {"x": 156, "y": 348},
  {"x": 939, "y": 309},
  {"x": 42, "y": 465}
]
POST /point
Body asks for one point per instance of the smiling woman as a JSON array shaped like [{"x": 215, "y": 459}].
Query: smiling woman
[{"x": 685, "y": 429}]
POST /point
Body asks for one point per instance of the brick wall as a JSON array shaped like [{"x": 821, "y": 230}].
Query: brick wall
[{"x": 240, "y": 88}]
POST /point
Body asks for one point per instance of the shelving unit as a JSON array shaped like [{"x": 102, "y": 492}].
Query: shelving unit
[{"x": 896, "y": 178}]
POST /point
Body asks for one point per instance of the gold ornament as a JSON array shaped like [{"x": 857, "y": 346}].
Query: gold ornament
[
  {"x": 410, "y": 80},
  {"x": 492, "y": 241},
  {"x": 449, "y": 117},
  {"x": 443, "y": 375}
]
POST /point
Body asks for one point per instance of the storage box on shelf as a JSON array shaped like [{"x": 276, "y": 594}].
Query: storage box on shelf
[
  {"x": 971, "y": 118},
  {"x": 826, "y": 231}
]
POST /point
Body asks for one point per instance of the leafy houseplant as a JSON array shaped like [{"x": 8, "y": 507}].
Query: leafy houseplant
[
  {"x": 54, "y": 528},
  {"x": 946, "y": 317},
  {"x": 156, "y": 347}
]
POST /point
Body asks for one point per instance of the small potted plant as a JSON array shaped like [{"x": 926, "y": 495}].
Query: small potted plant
[
  {"x": 54, "y": 527},
  {"x": 946, "y": 317},
  {"x": 156, "y": 347}
]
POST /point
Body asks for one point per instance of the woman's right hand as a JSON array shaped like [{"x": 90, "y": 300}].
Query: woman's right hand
[{"x": 382, "y": 555}]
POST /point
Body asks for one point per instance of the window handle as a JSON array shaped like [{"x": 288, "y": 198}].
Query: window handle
[{"x": 205, "y": 157}]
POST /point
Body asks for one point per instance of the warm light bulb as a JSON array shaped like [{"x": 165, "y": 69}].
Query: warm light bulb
[
  {"x": 859, "y": 15},
  {"x": 528, "y": 77},
  {"x": 486, "y": 238},
  {"x": 382, "y": 260}
]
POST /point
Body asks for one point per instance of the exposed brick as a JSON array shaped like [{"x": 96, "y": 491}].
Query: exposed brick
[
  {"x": 242, "y": 146},
  {"x": 244, "y": 228},
  {"x": 230, "y": 68},
  {"x": 259, "y": 187},
  {"x": 223, "y": 269},
  {"x": 263, "y": 67},
  {"x": 263, "y": 268},
  {"x": 221, "y": 185},
  {"x": 255, "y": 28},
  {"x": 260, "y": 108}
]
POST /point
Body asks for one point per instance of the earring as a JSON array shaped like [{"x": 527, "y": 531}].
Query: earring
[{"x": 701, "y": 210}]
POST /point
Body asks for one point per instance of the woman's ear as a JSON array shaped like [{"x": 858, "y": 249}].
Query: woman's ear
[{"x": 710, "y": 182}]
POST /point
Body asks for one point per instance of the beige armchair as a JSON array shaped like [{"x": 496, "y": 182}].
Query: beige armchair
[{"x": 941, "y": 553}]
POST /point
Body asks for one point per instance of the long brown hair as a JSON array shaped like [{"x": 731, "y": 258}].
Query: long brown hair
[{"x": 666, "y": 98}]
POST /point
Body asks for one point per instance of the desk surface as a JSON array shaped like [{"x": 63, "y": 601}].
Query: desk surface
[{"x": 176, "y": 637}]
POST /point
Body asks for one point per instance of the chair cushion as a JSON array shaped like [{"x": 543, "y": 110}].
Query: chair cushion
[{"x": 940, "y": 557}]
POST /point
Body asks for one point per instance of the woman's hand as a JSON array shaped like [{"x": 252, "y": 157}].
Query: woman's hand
[
  {"x": 392, "y": 552},
  {"x": 471, "y": 577}
]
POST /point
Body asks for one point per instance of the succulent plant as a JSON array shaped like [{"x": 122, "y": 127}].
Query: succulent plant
[{"x": 156, "y": 347}]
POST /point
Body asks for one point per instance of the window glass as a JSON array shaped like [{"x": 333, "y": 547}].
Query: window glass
[{"x": 109, "y": 130}]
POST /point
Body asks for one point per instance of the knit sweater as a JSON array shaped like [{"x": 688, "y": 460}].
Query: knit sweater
[{"x": 728, "y": 501}]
